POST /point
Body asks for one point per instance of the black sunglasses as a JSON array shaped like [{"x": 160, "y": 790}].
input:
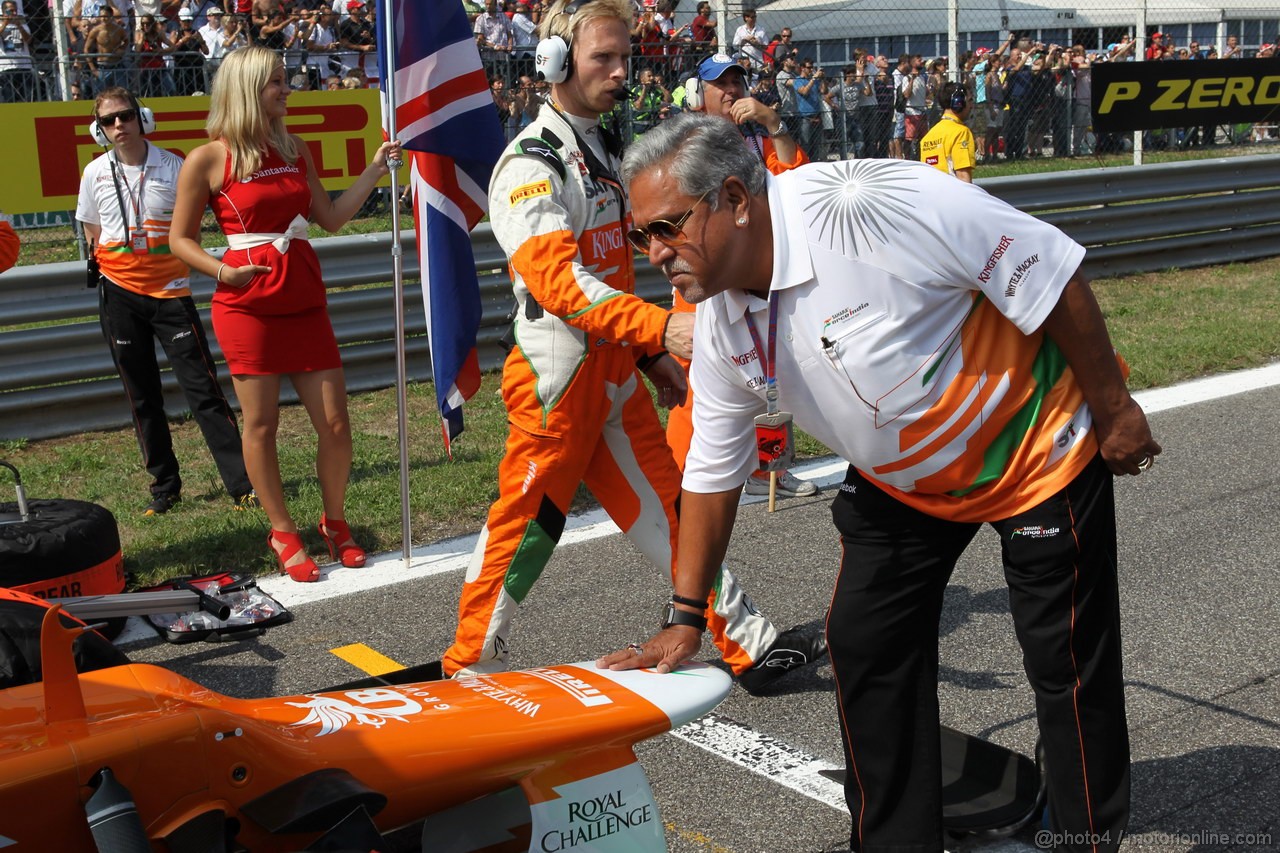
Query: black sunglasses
[
  {"x": 125, "y": 116},
  {"x": 668, "y": 232}
]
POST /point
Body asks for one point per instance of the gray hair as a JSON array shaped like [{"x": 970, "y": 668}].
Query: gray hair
[{"x": 699, "y": 151}]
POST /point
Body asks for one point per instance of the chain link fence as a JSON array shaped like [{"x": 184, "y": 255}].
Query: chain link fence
[
  {"x": 1025, "y": 69},
  {"x": 1025, "y": 66}
]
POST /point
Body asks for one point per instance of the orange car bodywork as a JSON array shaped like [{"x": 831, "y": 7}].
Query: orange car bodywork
[{"x": 183, "y": 750}]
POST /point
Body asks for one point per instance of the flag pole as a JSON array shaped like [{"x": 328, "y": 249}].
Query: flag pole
[{"x": 397, "y": 265}]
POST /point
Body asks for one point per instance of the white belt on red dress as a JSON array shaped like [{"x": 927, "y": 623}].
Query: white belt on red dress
[{"x": 297, "y": 231}]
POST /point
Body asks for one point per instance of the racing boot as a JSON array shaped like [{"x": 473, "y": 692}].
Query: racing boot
[{"x": 793, "y": 649}]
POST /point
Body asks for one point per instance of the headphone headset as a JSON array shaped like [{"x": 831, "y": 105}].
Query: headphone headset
[
  {"x": 959, "y": 99},
  {"x": 146, "y": 120},
  {"x": 551, "y": 60},
  {"x": 693, "y": 93}
]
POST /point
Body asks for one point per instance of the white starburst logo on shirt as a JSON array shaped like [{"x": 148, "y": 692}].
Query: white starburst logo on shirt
[{"x": 857, "y": 204}]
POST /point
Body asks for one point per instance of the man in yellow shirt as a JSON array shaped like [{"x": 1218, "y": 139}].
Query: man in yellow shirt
[{"x": 948, "y": 146}]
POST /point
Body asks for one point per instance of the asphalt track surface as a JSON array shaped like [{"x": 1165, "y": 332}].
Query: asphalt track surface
[{"x": 1199, "y": 552}]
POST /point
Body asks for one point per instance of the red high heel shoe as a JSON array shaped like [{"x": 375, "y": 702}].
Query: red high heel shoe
[
  {"x": 306, "y": 571},
  {"x": 341, "y": 544}
]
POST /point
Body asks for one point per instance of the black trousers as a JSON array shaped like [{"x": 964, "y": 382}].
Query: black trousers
[
  {"x": 130, "y": 323},
  {"x": 1060, "y": 566},
  {"x": 1015, "y": 130}
]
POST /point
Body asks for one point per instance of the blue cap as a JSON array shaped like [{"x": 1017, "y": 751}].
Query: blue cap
[{"x": 714, "y": 67}]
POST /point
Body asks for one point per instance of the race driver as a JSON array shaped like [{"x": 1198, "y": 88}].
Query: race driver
[
  {"x": 720, "y": 89},
  {"x": 578, "y": 409}
]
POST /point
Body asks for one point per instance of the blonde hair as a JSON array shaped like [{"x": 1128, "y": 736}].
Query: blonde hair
[
  {"x": 556, "y": 23},
  {"x": 235, "y": 111}
]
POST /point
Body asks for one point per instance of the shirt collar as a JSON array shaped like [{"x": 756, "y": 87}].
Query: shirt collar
[{"x": 791, "y": 262}]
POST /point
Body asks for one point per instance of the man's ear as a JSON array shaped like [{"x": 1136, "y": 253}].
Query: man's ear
[{"x": 737, "y": 196}]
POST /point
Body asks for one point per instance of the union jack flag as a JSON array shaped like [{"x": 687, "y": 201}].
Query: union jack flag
[{"x": 446, "y": 121}]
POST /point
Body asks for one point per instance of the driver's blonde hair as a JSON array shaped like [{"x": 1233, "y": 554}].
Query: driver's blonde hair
[{"x": 556, "y": 23}]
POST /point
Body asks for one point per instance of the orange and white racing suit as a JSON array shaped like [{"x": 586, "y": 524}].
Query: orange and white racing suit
[
  {"x": 577, "y": 407},
  {"x": 680, "y": 418}
]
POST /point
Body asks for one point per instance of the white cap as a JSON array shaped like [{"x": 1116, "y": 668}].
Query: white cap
[{"x": 185, "y": 14}]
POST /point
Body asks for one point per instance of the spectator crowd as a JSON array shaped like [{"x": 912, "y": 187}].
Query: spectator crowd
[
  {"x": 173, "y": 47},
  {"x": 1029, "y": 99}
]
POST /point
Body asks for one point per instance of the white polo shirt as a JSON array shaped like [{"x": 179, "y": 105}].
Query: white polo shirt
[
  {"x": 908, "y": 310},
  {"x": 146, "y": 197}
]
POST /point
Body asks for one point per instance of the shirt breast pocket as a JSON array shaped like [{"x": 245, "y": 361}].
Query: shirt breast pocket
[
  {"x": 157, "y": 203},
  {"x": 881, "y": 370},
  {"x": 848, "y": 348}
]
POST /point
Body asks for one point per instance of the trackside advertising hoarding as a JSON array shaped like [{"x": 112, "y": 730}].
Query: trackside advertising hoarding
[
  {"x": 47, "y": 145},
  {"x": 1194, "y": 93}
]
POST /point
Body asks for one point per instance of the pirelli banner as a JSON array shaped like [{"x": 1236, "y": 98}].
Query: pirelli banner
[
  {"x": 47, "y": 145},
  {"x": 1150, "y": 95}
]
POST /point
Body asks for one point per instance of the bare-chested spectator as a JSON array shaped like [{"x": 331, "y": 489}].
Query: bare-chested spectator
[
  {"x": 260, "y": 15},
  {"x": 105, "y": 48}
]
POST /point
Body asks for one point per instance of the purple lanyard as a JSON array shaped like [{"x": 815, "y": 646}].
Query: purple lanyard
[{"x": 768, "y": 360}]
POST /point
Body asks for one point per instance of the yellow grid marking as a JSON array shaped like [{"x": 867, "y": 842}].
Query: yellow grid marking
[{"x": 366, "y": 659}]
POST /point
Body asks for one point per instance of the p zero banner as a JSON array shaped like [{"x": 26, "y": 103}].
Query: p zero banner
[
  {"x": 47, "y": 145},
  {"x": 1190, "y": 93}
]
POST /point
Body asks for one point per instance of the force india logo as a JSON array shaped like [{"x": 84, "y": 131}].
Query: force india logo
[
  {"x": 372, "y": 707},
  {"x": 1035, "y": 531}
]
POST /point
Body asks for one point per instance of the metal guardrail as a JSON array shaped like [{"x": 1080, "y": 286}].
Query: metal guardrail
[{"x": 56, "y": 380}]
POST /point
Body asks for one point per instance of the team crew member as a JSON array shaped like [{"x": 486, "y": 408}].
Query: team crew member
[
  {"x": 126, "y": 202},
  {"x": 576, "y": 403},
  {"x": 948, "y": 146},
  {"x": 948, "y": 347},
  {"x": 720, "y": 88}
]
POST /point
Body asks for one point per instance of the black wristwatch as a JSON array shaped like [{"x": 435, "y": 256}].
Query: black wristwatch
[{"x": 673, "y": 615}]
